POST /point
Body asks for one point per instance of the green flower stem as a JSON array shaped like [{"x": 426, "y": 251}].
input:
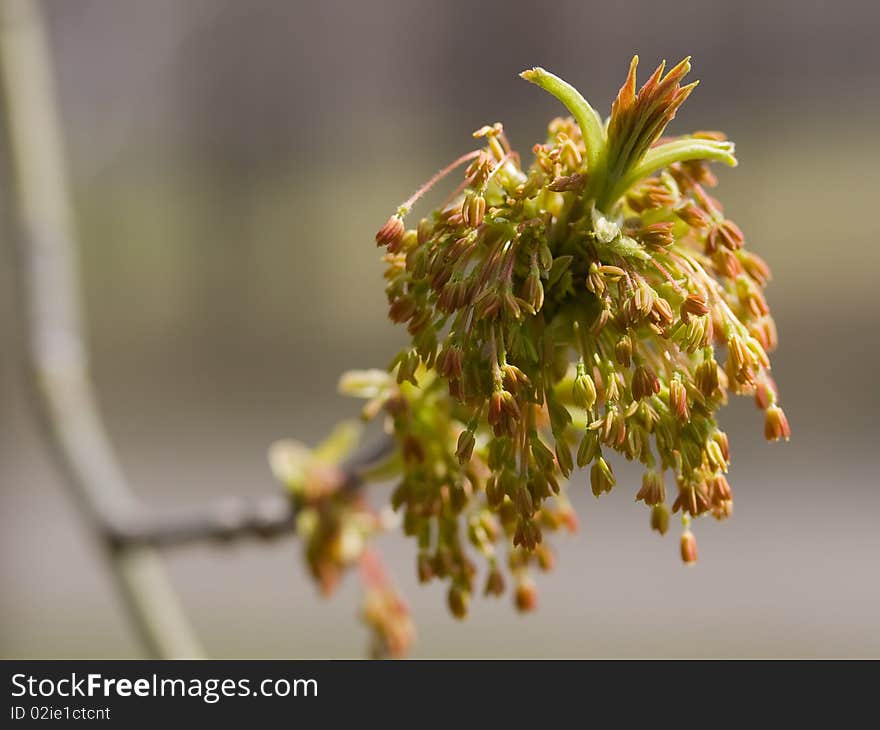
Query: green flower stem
[
  {"x": 681, "y": 150},
  {"x": 588, "y": 119}
]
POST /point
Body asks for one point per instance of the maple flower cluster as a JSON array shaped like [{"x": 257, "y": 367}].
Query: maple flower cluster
[{"x": 596, "y": 302}]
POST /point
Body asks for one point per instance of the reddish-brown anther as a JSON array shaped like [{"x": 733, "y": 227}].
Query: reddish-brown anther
[
  {"x": 755, "y": 267},
  {"x": 719, "y": 490},
  {"x": 765, "y": 392},
  {"x": 692, "y": 499},
  {"x": 727, "y": 264},
  {"x": 644, "y": 383},
  {"x": 688, "y": 548},
  {"x": 657, "y": 235},
  {"x": 694, "y": 216},
  {"x": 391, "y": 233},
  {"x": 652, "y": 492},
  {"x": 726, "y": 234},
  {"x": 776, "y": 424},
  {"x": 401, "y": 309},
  {"x": 494, "y": 583},
  {"x": 678, "y": 403},
  {"x": 458, "y": 601},
  {"x": 694, "y": 304},
  {"x": 526, "y": 596}
]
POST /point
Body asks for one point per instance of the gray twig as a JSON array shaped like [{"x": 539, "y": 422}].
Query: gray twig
[{"x": 56, "y": 360}]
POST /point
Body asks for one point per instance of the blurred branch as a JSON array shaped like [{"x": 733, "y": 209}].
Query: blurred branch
[
  {"x": 234, "y": 518},
  {"x": 57, "y": 363},
  {"x": 55, "y": 352}
]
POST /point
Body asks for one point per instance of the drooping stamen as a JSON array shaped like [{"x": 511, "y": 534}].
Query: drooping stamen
[{"x": 404, "y": 208}]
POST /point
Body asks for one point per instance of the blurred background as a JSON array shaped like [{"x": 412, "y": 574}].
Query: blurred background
[{"x": 230, "y": 164}]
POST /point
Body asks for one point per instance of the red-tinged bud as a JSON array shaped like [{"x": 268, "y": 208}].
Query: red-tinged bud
[
  {"x": 719, "y": 490},
  {"x": 764, "y": 331},
  {"x": 776, "y": 424},
  {"x": 449, "y": 362},
  {"x": 652, "y": 492},
  {"x": 526, "y": 596},
  {"x": 694, "y": 305},
  {"x": 527, "y": 534},
  {"x": 424, "y": 567},
  {"x": 514, "y": 379},
  {"x": 657, "y": 235},
  {"x": 720, "y": 438},
  {"x": 494, "y": 583},
  {"x": 694, "y": 216},
  {"x": 601, "y": 477},
  {"x": 722, "y": 510},
  {"x": 494, "y": 492},
  {"x": 644, "y": 383},
  {"x": 391, "y": 233},
  {"x": 688, "y": 548},
  {"x": 727, "y": 264},
  {"x": 765, "y": 392},
  {"x": 546, "y": 558},
  {"x": 465, "y": 447},
  {"x": 678, "y": 403},
  {"x": 458, "y": 600},
  {"x": 473, "y": 209},
  {"x": 726, "y": 234},
  {"x": 567, "y": 183},
  {"x": 523, "y": 501},
  {"x": 660, "y": 518},
  {"x": 401, "y": 309},
  {"x": 662, "y": 313},
  {"x": 623, "y": 350},
  {"x": 706, "y": 377},
  {"x": 533, "y": 292},
  {"x": 739, "y": 359},
  {"x": 755, "y": 267},
  {"x": 496, "y": 406},
  {"x": 691, "y": 499}
]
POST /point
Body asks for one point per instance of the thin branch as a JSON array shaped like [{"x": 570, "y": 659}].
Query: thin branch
[
  {"x": 55, "y": 352},
  {"x": 56, "y": 361},
  {"x": 235, "y": 518}
]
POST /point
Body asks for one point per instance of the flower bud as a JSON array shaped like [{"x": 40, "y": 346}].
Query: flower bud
[
  {"x": 623, "y": 350},
  {"x": 678, "y": 399},
  {"x": 494, "y": 582},
  {"x": 473, "y": 209},
  {"x": 688, "y": 548},
  {"x": 458, "y": 600},
  {"x": 601, "y": 477},
  {"x": 706, "y": 377},
  {"x": 652, "y": 492},
  {"x": 776, "y": 424},
  {"x": 526, "y": 596},
  {"x": 424, "y": 567},
  {"x": 660, "y": 518},
  {"x": 583, "y": 391},
  {"x": 644, "y": 383},
  {"x": 391, "y": 233},
  {"x": 465, "y": 447},
  {"x": 589, "y": 449}
]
